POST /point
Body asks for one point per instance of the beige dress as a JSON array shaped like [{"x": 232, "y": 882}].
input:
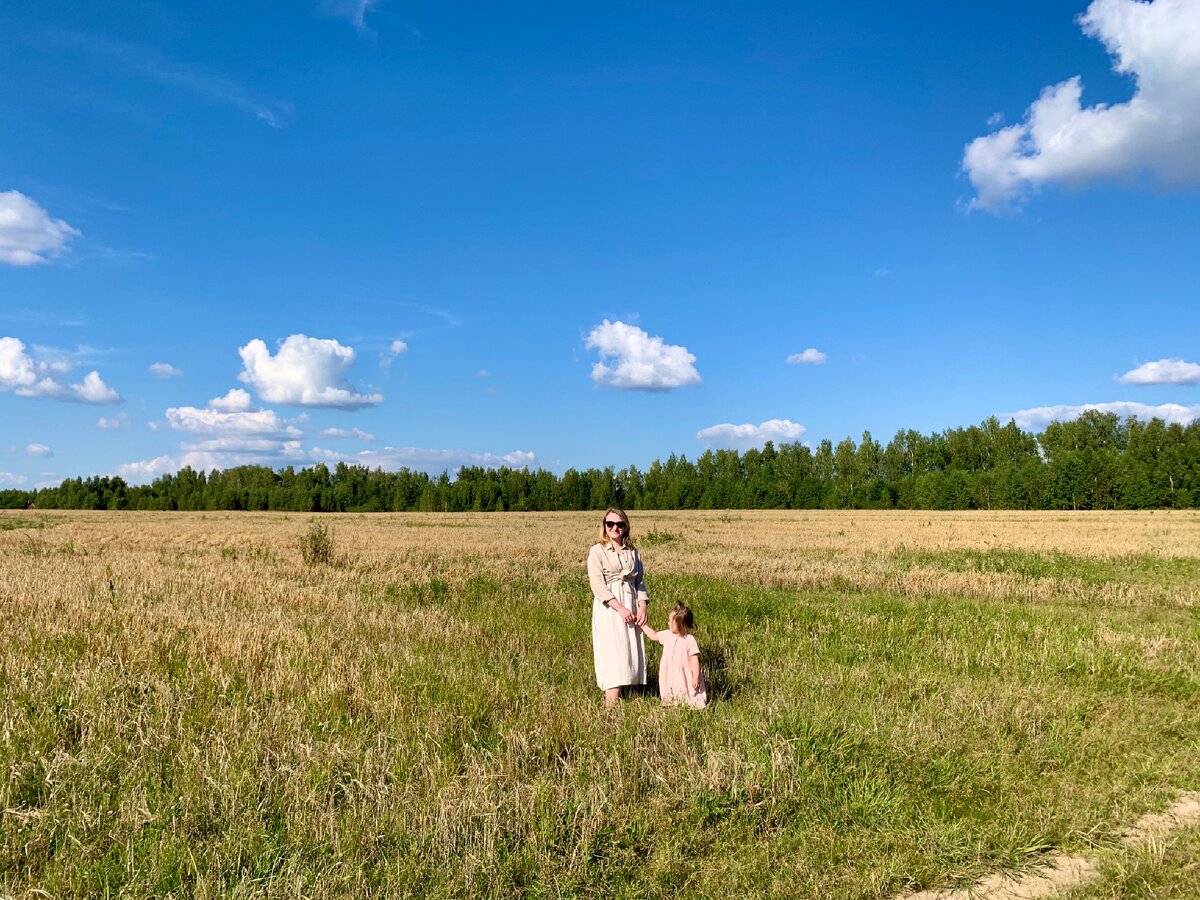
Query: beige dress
[{"x": 618, "y": 649}]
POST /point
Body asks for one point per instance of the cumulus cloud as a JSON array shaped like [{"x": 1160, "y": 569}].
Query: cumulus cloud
[
  {"x": 743, "y": 437},
  {"x": 305, "y": 372},
  {"x": 28, "y": 235},
  {"x": 425, "y": 459},
  {"x": 812, "y": 356},
  {"x": 120, "y": 420},
  {"x": 357, "y": 433},
  {"x": 164, "y": 370},
  {"x": 632, "y": 360},
  {"x": 27, "y": 376},
  {"x": 11, "y": 479},
  {"x": 1156, "y": 132},
  {"x": 220, "y": 440},
  {"x": 93, "y": 390},
  {"x": 1039, "y": 417},
  {"x": 1164, "y": 371},
  {"x": 147, "y": 470},
  {"x": 235, "y": 400},
  {"x": 262, "y": 422},
  {"x": 38, "y": 450}
]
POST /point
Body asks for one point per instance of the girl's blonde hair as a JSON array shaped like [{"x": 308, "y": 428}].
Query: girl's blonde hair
[
  {"x": 620, "y": 514},
  {"x": 681, "y": 615}
]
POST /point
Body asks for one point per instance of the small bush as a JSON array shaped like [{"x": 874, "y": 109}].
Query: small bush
[
  {"x": 654, "y": 538},
  {"x": 316, "y": 544}
]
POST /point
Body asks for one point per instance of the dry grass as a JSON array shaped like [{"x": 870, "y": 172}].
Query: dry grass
[{"x": 904, "y": 699}]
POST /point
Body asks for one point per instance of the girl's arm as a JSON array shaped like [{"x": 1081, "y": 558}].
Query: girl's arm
[
  {"x": 692, "y": 669},
  {"x": 650, "y": 632}
]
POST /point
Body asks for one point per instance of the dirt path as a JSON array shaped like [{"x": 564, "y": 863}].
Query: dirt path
[{"x": 1061, "y": 871}]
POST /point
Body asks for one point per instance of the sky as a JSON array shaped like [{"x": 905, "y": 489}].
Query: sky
[{"x": 426, "y": 235}]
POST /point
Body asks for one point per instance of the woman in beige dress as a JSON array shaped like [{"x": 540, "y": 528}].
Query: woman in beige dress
[{"x": 618, "y": 607}]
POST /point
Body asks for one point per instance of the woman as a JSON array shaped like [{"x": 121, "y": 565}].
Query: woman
[{"x": 618, "y": 607}]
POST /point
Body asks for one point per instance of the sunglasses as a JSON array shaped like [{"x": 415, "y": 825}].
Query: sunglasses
[{"x": 620, "y": 525}]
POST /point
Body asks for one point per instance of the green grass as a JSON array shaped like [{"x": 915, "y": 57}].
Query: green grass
[{"x": 446, "y": 740}]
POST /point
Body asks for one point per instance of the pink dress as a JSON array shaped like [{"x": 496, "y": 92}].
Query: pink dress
[{"x": 672, "y": 671}]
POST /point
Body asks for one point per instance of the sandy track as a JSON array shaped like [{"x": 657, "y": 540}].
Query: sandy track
[{"x": 1062, "y": 871}]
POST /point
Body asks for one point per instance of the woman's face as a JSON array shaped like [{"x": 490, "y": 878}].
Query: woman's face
[{"x": 615, "y": 527}]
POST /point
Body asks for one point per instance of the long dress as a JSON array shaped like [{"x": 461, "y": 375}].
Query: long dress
[
  {"x": 618, "y": 649},
  {"x": 672, "y": 672}
]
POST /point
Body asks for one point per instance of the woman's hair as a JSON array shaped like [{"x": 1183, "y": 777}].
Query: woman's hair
[
  {"x": 620, "y": 514},
  {"x": 681, "y": 614}
]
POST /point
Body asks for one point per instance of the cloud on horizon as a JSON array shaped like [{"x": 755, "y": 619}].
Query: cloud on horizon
[
  {"x": 427, "y": 459},
  {"x": 1156, "y": 132},
  {"x": 1039, "y": 417},
  {"x": 745, "y": 437}
]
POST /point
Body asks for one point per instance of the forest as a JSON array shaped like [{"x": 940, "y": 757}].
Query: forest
[{"x": 1098, "y": 461}]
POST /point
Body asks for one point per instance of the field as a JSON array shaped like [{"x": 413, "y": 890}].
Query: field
[{"x": 188, "y": 708}]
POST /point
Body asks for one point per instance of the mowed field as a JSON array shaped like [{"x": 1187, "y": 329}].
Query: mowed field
[{"x": 902, "y": 701}]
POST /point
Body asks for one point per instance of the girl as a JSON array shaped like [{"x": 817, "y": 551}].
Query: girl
[{"x": 679, "y": 678}]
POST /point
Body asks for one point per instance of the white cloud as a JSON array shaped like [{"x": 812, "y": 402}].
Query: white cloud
[
  {"x": 638, "y": 362},
  {"x": 305, "y": 372},
  {"x": 1157, "y": 131},
  {"x": 424, "y": 459},
  {"x": 149, "y": 469},
  {"x": 1039, "y": 417},
  {"x": 11, "y": 479},
  {"x": 743, "y": 437},
  {"x": 164, "y": 370},
  {"x": 357, "y": 433},
  {"x": 263, "y": 422},
  {"x": 29, "y": 377},
  {"x": 27, "y": 233},
  {"x": 811, "y": 356},
  {"x": 93, "y": 390},
  {"x": 1165, "y": 371},
  {"x": 120, "y": 420},
  {"x": 38, "y": 450},
  {"x": 235, "y": 400},
  {"x": 395, "y": 349}
]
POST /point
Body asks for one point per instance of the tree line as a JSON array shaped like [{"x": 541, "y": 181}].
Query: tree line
[{"x": 1097, "y": 461}]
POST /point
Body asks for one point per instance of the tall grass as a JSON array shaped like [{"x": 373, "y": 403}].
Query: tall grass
[{"x": 188, "y": 710}]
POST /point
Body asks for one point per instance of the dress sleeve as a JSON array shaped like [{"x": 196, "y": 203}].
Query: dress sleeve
[
  {"x": 693, "y": 649},
  {"x": 639, "y": 582},
  {"x": 596, "y": 575}
]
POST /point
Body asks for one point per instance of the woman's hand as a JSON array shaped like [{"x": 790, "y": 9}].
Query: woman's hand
[
  {"x": 626, "y": 616},
  {"x": 641, "y": 618}
]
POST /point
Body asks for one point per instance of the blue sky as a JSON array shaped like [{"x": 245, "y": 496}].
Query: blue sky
[{"x": 544, "y": 234}]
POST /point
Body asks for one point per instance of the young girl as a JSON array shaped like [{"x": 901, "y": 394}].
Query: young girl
[{"x": 679, "y": 679}]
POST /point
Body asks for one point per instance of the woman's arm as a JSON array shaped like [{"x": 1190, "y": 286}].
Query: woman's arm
[
  {"x": 596, "y": 576},
  {"x": 639, "y": 586},
  {"x": 600, "y": 587}
]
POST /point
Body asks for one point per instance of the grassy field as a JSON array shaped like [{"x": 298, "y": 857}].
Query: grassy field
[{"x": 903, "y": 700}]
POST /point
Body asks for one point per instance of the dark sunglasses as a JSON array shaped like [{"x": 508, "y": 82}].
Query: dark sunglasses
[{"x": 620, "y": 525}]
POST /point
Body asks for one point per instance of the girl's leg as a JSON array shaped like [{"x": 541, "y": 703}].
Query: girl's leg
[{"x": 611, "y": 696}]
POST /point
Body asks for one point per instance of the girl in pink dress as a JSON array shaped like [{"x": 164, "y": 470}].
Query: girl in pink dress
[{"x": 680, "y": 680}]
